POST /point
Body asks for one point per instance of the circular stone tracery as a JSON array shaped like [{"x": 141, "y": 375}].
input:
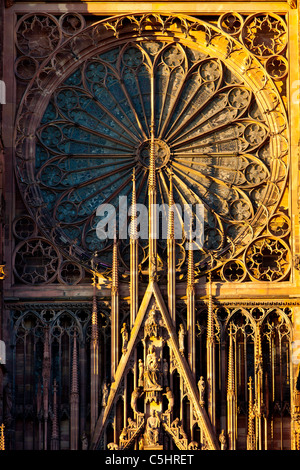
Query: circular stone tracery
[
  {"x": 161, "y": 152},
  {"x": 95, "y": 124}
]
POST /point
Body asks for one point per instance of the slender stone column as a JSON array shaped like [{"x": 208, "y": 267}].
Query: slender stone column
[
  {"x": 171, "y": 256},
  {"x": 231, "y": 399},
  {"x": 115, "y": 347},
  {"x": 152, "y": 193},
  {"x": 251, "y": 435},
  {"x": 258, "y": 388},
  {"x": 94, "y": 361},
  {"x": 46, "y": 383},
  {"x": 55, "y": 434},
  {"x": 74, "y": 401},
  {"x": 134, "y": 264},
  {"x": 190, "y": 295},
  {"x": 210, "y": 346}
]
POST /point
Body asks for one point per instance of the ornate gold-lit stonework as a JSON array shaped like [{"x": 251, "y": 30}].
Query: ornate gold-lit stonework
[{"x": 162, "y": 347}]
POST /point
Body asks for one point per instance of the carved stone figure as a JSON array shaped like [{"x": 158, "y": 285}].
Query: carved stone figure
[
  {"x": 170, "y": 398},
  {"x": 193, "y": 445},
  {"x": 112, "y": 446},
  {"x": 182, "y": 433},
  {"x": 137, "y": 392},
  {"x": 181, "y": 335},
  {"x": 153, "y": 369},
  {"x": 222, "y": 439},
  {"x": 165, "y": 372},
  {"x": 152, "y": 428},
  {"x": 141, "y": 373},
  {"x": 131, "y": 424},
  {"x": 123, "y": 435},
  {"x": 141, "y": 443},
  {"x": 151, "y": 327},
  {"x": 124, "y": 334},
  {"x": 105, "y": 393},
  {"x": 84, "y": 441},
  {"x": 201, "y": 387}
]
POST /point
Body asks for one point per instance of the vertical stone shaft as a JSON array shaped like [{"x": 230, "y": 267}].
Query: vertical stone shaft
[
  {"x": 55, "y": 435},
  {"x": 152, "y": 194},
  {"x": 46, "y": 382},
  {"x": 258, "y": 387},
  {"x": 2, "y": 438},
  {"x": 74, "y": 401},
  {"x": 134, "y": 265},
  {"x": 114, "y": 313},
  {"x": 210, "y": 346},
  {"x": 250, "y": 436},
  {"x": 94, "y": 361},
  {"x": 231, "y": 398},
  {"x": 171, "y": 256},
  {"x": 190, "y": 295}
]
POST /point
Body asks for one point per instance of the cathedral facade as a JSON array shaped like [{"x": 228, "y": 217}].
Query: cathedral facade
[{"x": 150, "y": 243}]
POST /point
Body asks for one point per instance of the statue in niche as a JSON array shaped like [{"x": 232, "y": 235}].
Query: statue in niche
[
  {"x": 182, "y": 433},
  {"x": 151, "y": 326},
  {"x": 141, "y": 443},
  {"x": 222, "y": 439},
  {"x": 152, "y": 428},
  {"x": 112, "y": 446},
  {"x": 84, "y": 441},
  {"x": 170, "y": 398},
  {"x": 123, "y": 436},
  {"x": 193, "y": 445},
  {"x": 165, "y": 372},
  {"x": 124, "y": 334},
  {"x": 104, "y": 395},
  {"x": 136, "y": 394},
  {"x": 141, "y": 373},
  {"x": 131, "y": 424},
  {"x": 153, "y": 369},
  {"x": 181, "y": 334},
  {"x": 201, "y": 387}
]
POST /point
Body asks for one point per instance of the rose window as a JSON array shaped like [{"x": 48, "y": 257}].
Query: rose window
[{"x": 210, "y": 132}]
